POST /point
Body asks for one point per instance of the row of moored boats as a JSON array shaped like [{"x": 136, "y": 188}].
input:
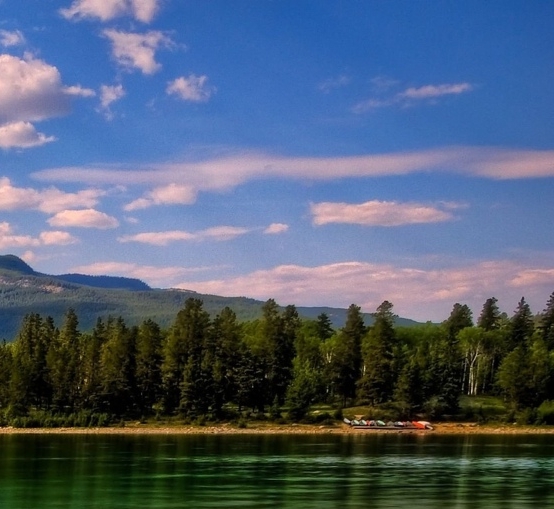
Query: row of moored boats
[{"x": 398, "y": 425}]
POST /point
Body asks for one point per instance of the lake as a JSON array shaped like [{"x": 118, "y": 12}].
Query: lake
[{"x": 294, "y": 471}]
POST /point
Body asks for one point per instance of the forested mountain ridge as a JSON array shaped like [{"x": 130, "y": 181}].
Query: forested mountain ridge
[
  {"x": 11, "y": 264},
  {"x": 24, "y": 291}
]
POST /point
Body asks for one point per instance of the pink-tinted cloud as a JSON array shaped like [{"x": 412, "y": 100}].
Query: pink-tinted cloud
[
  {"x": 276, "y": 229},
  {"x": 11, "y": 38},
  {"x": 418, "y": 293},
  {"x": 10, "y": 240},
  {"x": 216, "y": 233},
  {"x": 57, "y": 238},
  {"x": 22, "y": 135},
  {"x": 224, "y": 173},
  {"x": 412, "y": 95},
  {"x": 191, "y": 88},
  {"x": 108, "y": 95},
  {"x": 49, "y": 201},
  {"x": 137, "y": 51},
  {"x": 379, "y": 213},
  {"x": 84, "y": 218},
  {"x": 106, "y": 10},
  {"x": 30, "y": 90},
  {"x": 162, "y": 277},
  {"x": 171, "y": 194}
]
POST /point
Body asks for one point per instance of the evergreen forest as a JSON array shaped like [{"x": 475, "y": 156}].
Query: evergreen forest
[{"x": 279, "y": 366}]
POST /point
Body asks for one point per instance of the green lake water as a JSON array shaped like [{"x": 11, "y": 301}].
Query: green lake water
[{"x": 361, "y": 471}]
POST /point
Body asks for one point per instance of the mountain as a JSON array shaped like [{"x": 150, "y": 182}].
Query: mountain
[
  {"x": 12, "y": 263},
  {"x": 107, "y": 282},
  {"x": 24, "y": 291},
  {"x": 338, "y": 316}
]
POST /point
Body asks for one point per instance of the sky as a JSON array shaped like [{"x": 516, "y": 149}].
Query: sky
[{"x": 316, "y": 152}]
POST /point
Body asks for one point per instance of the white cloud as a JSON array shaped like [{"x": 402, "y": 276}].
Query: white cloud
[
  {"x": 105, "y": 10},
  {"x": 22, "y": 135},
  {"x": 57, "y": 238},
  {"x": 192, "y": 88},
  {"x": 172, "y": 194},
  {"x": 432, "y": 91},
  {"x": 30, "y": 90},
  {"x": 412, "y": 95},
  {"x": 137, "y": 51},
  {"x": 79, "y": 91},
  {"x": 154, "y": 276},
  {"x": 217, "y": 233},
  {"x": 11, "y": 38},
  {"x": 158, "y": 238},
  {"x": 228, "y": 172},
  {"x": 9, "y": 240},
  {"x": 48, "y": 200},
  {"x": 85, "y": 218},
  {"x": 379, "y": 213},
  {"x": 108, "y": 95},
  {"x": 222, "y": 233},
  {"x": 276, "y": 229},
  {"x": 418, "y": 293},
  {"x": 529, "y": 277}
]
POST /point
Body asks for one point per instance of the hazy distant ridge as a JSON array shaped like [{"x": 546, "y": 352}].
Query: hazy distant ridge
[{"x": 24, "y": 291}]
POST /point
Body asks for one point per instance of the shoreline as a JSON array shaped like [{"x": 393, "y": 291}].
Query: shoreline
[{"x": 288, "y": 429}]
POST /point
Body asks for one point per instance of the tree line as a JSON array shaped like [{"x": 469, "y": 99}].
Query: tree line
[{"x": 204, "y": 367}]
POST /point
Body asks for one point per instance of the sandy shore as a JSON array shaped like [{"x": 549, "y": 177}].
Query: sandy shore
[{"x": 272, "y": 429}]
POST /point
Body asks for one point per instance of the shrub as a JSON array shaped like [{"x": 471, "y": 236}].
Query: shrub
[
  {"x": 545, "y": 412},
  {"x": 526, "y": 416}
]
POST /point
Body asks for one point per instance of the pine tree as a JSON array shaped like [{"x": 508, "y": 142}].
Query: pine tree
[
  {"x": 346, "y": 358},
  {"x": 546, "y": 325},
  {"x": 30, "y": 381},
  {"x": 378, "y": 377},
  {"x": 460, "y": 317},
  {"x": 490, "y": 315},
  {"x": 185, "y": 381},
  {"x": 118, "y": 368},
  {"x": 6, "y": 363},
  {"x": 227, "y": 339},
  {"x": 148, "y": 366},
  {"x": 324, "y": 327},
  {"x": 184, "y": 340},
  {"x": 64, "y": 363},
  {"x": 521, "y": 326},
  {"x": 277, "y": 335},
  {"x": 92, "y": 351}
]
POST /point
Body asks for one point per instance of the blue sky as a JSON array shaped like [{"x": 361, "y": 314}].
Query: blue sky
[{"x": 316, "y": 152}]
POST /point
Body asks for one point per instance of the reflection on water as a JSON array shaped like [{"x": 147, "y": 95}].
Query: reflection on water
[{"x": 377, "y": 471}]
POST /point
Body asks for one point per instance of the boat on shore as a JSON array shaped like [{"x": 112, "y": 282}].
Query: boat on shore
[{"x": 381, "y": 425}]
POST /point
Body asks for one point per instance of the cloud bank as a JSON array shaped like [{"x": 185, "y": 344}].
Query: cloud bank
[
  {"x": 418, "y": 293},
  {"x": 186, "y": 179}
]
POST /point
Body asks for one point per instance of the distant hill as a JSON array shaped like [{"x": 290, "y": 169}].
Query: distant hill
[
  {"x": 107, "y": 282},
  {"x": 24, "y": 291},
  {"x": 12, "y": 263},
  {"x": 338, "y": 316}
]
